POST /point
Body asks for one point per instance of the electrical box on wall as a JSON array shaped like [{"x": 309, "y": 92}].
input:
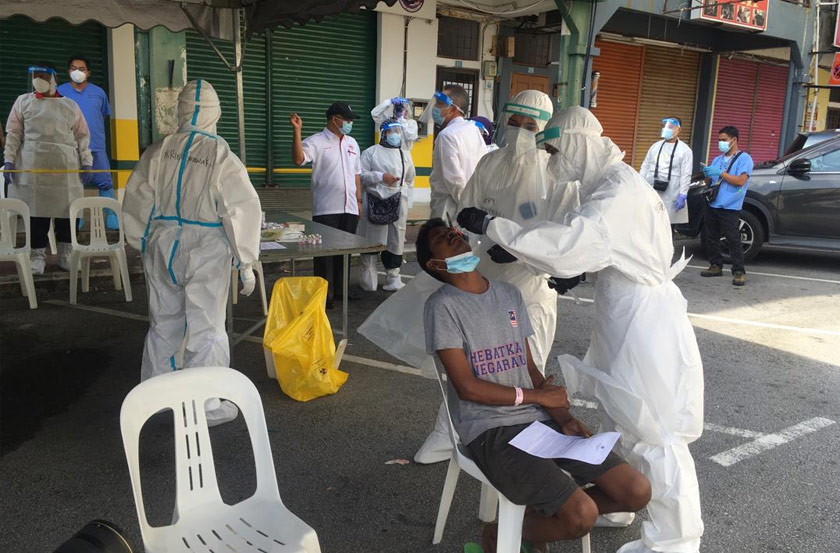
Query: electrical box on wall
[{"x": 489, "y": 69}]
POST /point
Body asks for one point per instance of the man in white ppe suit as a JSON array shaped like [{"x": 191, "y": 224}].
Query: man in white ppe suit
[
  {"x": 667, "y": 168},
  {"x": 643, "y": 364},
  {"x": 458, "y": 147},
  {"x": 47, "y": 131},
  {"x": 387, "y": 180},
  {"x": 399, "y": 109},
  {"x": 191, "y": 209}
]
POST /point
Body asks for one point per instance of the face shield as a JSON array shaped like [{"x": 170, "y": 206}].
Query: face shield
[
  {"x": 42, "y": 79},
  {"x": 670, "y": 128},
  {"x": 391, "y": 134},
  {"x": 525, "y": 115},
  {"x": 435, "y": 112}
]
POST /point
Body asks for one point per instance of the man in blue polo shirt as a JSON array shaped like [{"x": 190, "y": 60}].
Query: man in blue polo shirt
[
  {"x": 731, "y": 170},
  {"x": 93, "y": 101}
]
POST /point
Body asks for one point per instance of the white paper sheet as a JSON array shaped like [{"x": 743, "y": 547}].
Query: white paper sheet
[
  {"x": 541, "y": 441},
  {"x": 271, "y": 246}
]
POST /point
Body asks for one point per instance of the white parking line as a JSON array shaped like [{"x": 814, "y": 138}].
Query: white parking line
[
  {"x": 793, "y": 277},
  {"x": 803, "y": 330},
  {"x": 770, "y": 441},
  {"x": 383, "y": 273}
]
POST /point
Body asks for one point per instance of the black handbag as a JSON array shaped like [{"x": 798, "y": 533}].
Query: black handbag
[
  {"x": 658, "y": 184},
  {"x": 710, "y": 194},
  {"x": 386, "y": 211}
]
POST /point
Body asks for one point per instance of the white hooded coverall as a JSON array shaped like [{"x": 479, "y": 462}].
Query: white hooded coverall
[
  {"x": 191, "y": 209},
  {"x": 680, "y": 172},
  {"x": 376, "y": 161},
  {"x": 458, "y": 147},
  {"x": 47, "y": 133},
  {"x": 643, "y": 364}
]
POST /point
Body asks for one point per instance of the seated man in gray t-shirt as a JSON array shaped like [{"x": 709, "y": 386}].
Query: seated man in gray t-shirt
[{"x": 478, "y": 330}]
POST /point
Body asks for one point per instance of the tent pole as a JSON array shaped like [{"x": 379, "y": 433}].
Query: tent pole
[{"x": 240, "y": 95}]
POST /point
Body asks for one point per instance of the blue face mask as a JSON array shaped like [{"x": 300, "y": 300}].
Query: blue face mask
[
  {"x": 724, "y": 146},
  {"x": 346, "y": 127},
  {"x": 437, "y": 116},
  {"x": 667, "y": 133},
  {"x": 393, "y": 140},
  {"x": 462, "y": 263}
]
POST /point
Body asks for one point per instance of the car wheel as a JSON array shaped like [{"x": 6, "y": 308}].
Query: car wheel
[{"x": 752, "y": 237}]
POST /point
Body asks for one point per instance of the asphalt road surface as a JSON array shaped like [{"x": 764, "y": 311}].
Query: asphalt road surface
[{"x": 767, "y": 462}]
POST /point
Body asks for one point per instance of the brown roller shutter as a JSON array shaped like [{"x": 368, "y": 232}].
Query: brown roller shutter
[
  {"x": 669, "y": 89},
  {"x": 620, "y": 66}
]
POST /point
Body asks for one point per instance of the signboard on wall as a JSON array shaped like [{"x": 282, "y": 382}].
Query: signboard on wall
[
  {"x": 748, "y": 14},
  {"x": 834, "y": 76},
  {"x": 836, "y": 41}
]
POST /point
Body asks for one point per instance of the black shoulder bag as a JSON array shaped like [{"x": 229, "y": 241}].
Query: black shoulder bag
[
  {"x": 658, "y": 184},
  {"x": 386, "y": 211},
  {"x": 711, "y": 191}
]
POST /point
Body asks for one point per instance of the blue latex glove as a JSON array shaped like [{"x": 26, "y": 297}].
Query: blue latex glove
[
  {"x": 110, "y": 217},
  {"x": 712, "y": 172},
  {"x": 679, "y": 203},
  {"x": 87, "y": 178},
  {"x": 7, "y": 177}
]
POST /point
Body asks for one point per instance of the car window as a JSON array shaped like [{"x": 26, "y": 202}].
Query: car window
[{"x": 829, "y": 162}]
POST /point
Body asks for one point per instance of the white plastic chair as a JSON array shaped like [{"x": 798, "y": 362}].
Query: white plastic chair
[
  {"x": 202, "y": 521},
  {"x": 10, "y": 210},
  {"x": 234, "y": 285},
  {"x": 98, "y": 247},
  {"x": 510, "y": 514}
]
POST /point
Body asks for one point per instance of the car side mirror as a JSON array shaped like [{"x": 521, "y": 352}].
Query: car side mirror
[{"x": 799, "y": 167}]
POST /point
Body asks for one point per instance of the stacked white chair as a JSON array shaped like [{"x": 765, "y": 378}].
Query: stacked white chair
[
  {"x": 202, "y": 521},
  {"x": 98, "y": 247},
  {"x": 511, "y": 515},
  {"x": 10, "y": 210}
]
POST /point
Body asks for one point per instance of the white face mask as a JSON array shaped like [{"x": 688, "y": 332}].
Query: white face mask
[
  {"x": 519, "y": 139},
  {"x": 561, "y": 170},
  {"x": 78, "y": 76},
  {"x": 41, "y": 86}
]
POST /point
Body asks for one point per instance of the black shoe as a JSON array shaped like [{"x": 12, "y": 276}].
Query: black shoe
[
  {"x": 739, "y": 278},
  {"x": 351, "y": 296},
  {"x": 712, "y": 271}
]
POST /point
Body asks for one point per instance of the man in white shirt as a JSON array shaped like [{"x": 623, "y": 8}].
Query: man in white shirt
[
  {"x": 336, "y": 184},
  {"x": 458, "y": 147},
  {"x": 667, "y": 168}
]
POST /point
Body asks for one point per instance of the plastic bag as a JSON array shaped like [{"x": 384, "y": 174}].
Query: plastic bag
[
  {"x": 396, "y": 326},
  {"x": 298, "y": 339}
]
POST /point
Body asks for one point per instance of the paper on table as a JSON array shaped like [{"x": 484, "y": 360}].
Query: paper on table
[
  {"x": 541, "y": 441},
  {"x": 271, "y": 246}
]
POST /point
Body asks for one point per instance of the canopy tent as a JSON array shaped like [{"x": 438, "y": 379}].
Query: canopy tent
[{"x": 219, "y": 19}]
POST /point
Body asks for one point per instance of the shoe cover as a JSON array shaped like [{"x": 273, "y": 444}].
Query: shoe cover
[
  {"x": 438, "y": 446},
  {"x": 615, "y": 520},
  {"x": 393, "y": 282},
  {"x": 64, "y": 250},
  {"x": 368, "y": 279},
  {"x": 38, "y": 260},
  {"x": 637, "y": 546},
  {"x": 219, "y": 411}
]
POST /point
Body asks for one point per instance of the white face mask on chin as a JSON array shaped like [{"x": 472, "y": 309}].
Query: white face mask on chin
[{"x": 42, "y": 86}]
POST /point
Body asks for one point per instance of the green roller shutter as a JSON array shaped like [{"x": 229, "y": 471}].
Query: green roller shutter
[
  {"x": 203, "y": 63},
  {"x": 318, "y": 64},
  {"x": 312, "y": 66},
  {"x": 24, "y": 42}
]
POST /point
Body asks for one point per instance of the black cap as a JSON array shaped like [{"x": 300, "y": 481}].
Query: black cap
[{"x": 342, "y": 109}]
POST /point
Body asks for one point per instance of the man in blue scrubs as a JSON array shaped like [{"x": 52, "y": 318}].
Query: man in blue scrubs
[
  {"x": 93, "y": 101},
  {"x": 731, "y": 170}
]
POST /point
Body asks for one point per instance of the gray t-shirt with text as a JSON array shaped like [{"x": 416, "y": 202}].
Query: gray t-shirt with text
[{"x": 491, "y": 328}]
